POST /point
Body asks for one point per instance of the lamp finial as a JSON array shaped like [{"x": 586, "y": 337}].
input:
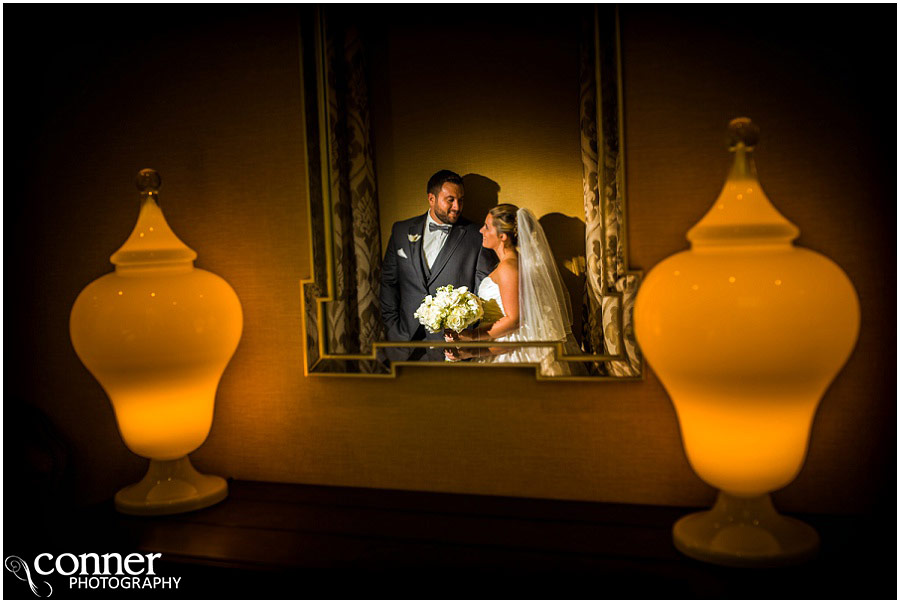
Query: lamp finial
[
  {"x": 152, "y": 244},
  {"x": 742, "y": 214},
  {"x": 742, "y": 131},
  {"x": 148, "y": 181}
]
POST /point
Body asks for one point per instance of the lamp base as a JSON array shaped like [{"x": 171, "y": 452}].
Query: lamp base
[
  {"x": 171, "y": 487},
  {"x": 745, "y": 532}
]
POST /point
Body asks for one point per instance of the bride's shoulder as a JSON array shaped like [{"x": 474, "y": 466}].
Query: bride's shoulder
[{"x": 507, "y": 269}]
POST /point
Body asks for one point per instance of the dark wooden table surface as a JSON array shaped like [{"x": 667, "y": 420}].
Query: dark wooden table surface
[{"x": 273, "y": 541}]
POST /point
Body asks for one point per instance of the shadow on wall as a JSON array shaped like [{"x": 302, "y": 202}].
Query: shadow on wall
[
  {"x": 566, "y": 238},
  {"x": 481, "y": 195}
]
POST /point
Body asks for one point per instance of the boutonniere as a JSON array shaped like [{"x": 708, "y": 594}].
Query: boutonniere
[{"x": 414, "y": 237}]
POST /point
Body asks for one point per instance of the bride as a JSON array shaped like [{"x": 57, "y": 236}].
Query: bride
[{"x": 527, "y": 286}]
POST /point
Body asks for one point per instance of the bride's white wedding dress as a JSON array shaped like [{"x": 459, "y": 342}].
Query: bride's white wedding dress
[{"x": 545, "y": 312}]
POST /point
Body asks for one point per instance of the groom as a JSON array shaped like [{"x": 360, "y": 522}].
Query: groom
[{"x": 429, "y": 251}]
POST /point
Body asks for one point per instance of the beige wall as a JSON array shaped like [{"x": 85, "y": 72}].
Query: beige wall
[{"x": 214, "y": 106}]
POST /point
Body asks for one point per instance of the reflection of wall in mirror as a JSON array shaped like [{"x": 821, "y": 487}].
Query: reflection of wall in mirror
[{"x": 500, "y": 110}]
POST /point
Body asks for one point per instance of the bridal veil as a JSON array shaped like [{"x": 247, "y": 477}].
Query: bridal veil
[{"x": 545, "y": 311}]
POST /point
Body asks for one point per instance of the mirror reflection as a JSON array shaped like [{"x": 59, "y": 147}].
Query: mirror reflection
[
  {"x": 460, "y": 176},
  {"x": 446, "y": 278}
]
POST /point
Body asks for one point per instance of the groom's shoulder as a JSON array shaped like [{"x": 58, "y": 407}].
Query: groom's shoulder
[{"x": 404, "y": 224}]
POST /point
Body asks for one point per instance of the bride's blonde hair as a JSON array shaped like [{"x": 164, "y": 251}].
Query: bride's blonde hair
[{"x": 505, "y": 221}]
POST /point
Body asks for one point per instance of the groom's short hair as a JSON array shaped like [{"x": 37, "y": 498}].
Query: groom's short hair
[{"x": 436, "y": 182}]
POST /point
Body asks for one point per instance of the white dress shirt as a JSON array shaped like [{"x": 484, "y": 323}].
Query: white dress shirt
[{"x": 433, "y": 241}]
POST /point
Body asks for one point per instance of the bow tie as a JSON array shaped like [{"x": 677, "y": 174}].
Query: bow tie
[{"x": 432, "y": 227}]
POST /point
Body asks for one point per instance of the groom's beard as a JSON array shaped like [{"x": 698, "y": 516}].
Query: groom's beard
[{"x": 447, "y": 218}]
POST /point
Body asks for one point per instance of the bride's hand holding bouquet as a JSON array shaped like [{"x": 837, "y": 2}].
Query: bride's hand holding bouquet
[{"x": 453, "y": 311}]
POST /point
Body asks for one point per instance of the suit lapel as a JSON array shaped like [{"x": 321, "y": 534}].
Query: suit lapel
[
  {"x": 416, "y": 253},
  {"x": 457, "y": 233}
]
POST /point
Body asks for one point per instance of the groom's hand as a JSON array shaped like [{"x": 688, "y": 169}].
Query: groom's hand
[{"x": 464, "y": 335}]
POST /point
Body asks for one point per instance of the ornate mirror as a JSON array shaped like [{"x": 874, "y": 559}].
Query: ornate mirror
[{"x": 525, "y": 103}]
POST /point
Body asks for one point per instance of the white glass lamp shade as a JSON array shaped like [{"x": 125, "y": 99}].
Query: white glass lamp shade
[
  {"x": 746, "y": 332},
  {"x": 157, "y": 333}
]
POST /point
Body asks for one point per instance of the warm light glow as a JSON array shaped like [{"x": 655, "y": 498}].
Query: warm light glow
[
  {"x": 164, "y": 421},
  {"x": 745, "y": 363},
  {"x": 746, "y": 370},
  {"x": 160, "y": 364}
]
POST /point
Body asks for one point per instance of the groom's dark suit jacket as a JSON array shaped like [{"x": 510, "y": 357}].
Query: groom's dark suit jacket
[{"x": 405, "y": 281}]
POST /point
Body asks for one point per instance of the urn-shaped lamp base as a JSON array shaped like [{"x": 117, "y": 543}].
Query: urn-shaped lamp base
[
  {"x": 745, "y": 532},
  {"x": 171, "y": 487}
]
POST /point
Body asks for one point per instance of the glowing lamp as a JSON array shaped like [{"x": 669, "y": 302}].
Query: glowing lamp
[
  {"x": 746, "y": 332},
  {"x": 157, "y": 334}
]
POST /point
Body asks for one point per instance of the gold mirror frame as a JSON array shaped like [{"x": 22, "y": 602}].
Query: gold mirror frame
[{"x": 610, "y": 285}]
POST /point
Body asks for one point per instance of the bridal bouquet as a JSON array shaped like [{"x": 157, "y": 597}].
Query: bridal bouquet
[{"x": 455, "y": 309}]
